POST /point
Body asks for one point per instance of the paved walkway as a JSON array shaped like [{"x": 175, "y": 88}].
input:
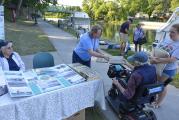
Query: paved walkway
[{"x": 65, "y": 43}]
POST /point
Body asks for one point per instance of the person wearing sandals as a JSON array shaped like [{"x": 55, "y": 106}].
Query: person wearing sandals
[
  {"x": 10, "y": 60},
  {"x": 172, "y": 47},
  {"x": 137, "y": 36}
]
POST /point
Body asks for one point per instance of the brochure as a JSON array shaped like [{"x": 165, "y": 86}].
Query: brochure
[
  {"x": 38, "y": 81},
  {"x": 30, "y": 75},
  {"x": 17, "y": 84},
  {"x": 69, "y": 74}
]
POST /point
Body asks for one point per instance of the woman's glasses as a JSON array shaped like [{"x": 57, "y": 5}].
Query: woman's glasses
[{"x": 173, "y": 32}]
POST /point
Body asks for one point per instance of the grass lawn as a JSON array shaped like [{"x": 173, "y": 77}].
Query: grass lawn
[
  {"x": 27, "y": 37},
  {"x": 115, "y": 52},
  {"x": 175, "y": 81}
]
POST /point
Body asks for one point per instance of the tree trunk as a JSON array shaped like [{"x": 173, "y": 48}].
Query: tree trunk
[
  {"x": 2, "y": 2},
  {"x": 19, "y": 7}
]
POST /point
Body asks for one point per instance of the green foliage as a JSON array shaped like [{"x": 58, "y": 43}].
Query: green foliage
[
  {"x": 119, "y": 10},
  {"x": 101, "y": 10},
  {"x": 174, "y": 4},
  {"x": 55, "y": 15},
  {"x": 73, "y": 8},
  {"x": 175, "y": 81},
  {"x": 37, "y": 5}
]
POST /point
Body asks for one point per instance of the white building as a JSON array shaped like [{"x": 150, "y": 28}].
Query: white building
[{"x": 80, "y": 19}]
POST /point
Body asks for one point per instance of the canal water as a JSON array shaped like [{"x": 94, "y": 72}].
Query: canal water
[{"x": 111, "y": 33}]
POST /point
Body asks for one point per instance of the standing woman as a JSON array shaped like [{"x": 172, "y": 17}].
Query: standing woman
[
  {"x": 172, "y": 47},
  {"x": 88, "y": 46},
  {"x": 10, "y": 60},
  {"x": 138, "y": 36}
]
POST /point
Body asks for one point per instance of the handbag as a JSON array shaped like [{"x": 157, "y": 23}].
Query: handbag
[{"x": 142, "y": 41}]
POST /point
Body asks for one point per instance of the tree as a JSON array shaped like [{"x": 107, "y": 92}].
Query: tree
[
  {"x": 112, "y": 11},
  {"x": 38, "y": 5},
  {"x": 174, "y": 4},
  {"x": 150, "y": 6},
  {"x": 19, "y": 6},
  {"x": 87, "y": 7},
  {"x": 101, "y": 12},
  {"x": 135, "y": 6},
  {"x": 2, "y": 2}
]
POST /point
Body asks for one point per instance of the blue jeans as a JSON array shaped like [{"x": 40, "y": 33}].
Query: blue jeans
[
  {"x": 169, "y": 73},
  {"x": 77, "y": 59}
]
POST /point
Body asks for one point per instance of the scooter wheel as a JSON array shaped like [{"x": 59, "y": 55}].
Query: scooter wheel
[
  {"x": 127, "y": 117},
  {"x": 151, "y": 115}
]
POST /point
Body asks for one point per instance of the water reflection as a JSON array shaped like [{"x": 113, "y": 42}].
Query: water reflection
[{"x": 111, "y": 33}]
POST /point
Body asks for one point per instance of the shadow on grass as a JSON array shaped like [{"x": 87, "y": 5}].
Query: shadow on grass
[{"x": 27, "y": 37}]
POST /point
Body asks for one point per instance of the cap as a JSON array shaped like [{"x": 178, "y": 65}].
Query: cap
[
  {"x": 3, "y": 43},
  {"x": 139, "y": 56}
]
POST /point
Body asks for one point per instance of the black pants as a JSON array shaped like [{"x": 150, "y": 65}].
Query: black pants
[
  {"x": 136, "y": 46},
  {"x": 77, "y": 59}
]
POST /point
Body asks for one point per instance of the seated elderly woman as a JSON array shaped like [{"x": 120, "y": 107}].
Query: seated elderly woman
[{"x": 10, "y": 60}]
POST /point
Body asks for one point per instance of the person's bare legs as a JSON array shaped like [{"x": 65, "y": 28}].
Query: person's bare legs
[
  {"x": 122, "y": 48},
  {"x": 126, "y": 47},
  {"x": 162, "y": 95},
  {"x": 121, "y": 43}
]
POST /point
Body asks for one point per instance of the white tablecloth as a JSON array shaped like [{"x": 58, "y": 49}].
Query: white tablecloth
[{"x": 54, "y": 105}]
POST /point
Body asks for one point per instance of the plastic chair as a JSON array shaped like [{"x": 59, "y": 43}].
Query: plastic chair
[{"x": 43, "y": 59}]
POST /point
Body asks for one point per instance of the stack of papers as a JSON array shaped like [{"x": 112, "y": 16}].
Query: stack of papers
[
  {"x": 101, "y": 60},
  {"x": 117, "y": 60},
  {"x": 16, "y": 83},
  {"x": 112, "y": 60},
  {"x": 85, "y": 71}
]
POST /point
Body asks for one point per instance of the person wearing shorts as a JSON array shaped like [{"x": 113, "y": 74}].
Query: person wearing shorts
[
  {"x": 172, "y": 47},
  {"x": 124, "y": 36}
]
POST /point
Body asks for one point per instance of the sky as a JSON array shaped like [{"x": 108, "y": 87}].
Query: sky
[{"x": 70, "y": 2}]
